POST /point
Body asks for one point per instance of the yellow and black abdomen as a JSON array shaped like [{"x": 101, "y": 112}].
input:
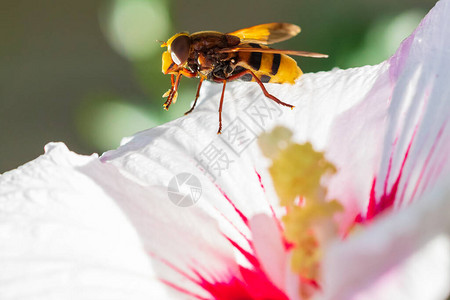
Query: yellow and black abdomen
[{"x": 269, "y": 67}]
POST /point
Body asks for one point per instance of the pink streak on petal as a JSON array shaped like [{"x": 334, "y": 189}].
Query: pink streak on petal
[
  {"x": 269, "y": 247},
  {"x": 249, "y": 256},
  {"x": 386, "y": 181},
  {"x": 287, "y": 245},
  {"x": 253, "y": 285},
  {"x": 277, "y": 220},
  {"x": 427, "y": 161},
  {"x": 260, "y": 181},
  {"x": 436, "y": 171},
  {"x": 241, "y": 283},
  {"x": 241, "y": 215},
  {"x": 233, "y": 225},
  {"x": 387, "y": 200},
  {"x": 249, "y": 283}
]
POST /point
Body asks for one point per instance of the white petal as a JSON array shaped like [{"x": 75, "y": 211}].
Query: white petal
[
  {"x": 62, "y": 236},
  {"x": 424, "y": 275}
]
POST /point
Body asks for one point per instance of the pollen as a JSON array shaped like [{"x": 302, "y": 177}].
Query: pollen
[{"x": 297, "y": 171}]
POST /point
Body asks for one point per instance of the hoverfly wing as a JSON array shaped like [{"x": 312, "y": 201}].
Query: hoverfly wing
[
  {"x": 269, "y": 50},
  {"x": 265, "y": 34}
]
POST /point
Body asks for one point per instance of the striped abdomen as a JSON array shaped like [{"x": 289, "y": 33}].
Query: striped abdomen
[{"x": 269, "y": 67}]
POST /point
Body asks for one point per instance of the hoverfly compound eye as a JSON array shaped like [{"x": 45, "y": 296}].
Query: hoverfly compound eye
[{"x": 179, "y": 49}]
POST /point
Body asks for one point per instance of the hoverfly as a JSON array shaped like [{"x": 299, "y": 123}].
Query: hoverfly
[{"x": 223, "y": 57}]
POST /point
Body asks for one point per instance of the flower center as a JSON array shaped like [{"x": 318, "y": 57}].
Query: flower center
[{"x": 297, "y": 170}]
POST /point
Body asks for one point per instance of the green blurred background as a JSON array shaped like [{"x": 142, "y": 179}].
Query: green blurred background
[{"x": 88, "y": 72}]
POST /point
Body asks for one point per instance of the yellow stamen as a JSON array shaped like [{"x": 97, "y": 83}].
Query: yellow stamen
[{"x": 296, "y": 171}]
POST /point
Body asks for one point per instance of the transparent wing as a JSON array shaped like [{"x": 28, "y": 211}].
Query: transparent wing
[
  {"x": 267, "y": 33},
  {"x": 269, "y": 50}
]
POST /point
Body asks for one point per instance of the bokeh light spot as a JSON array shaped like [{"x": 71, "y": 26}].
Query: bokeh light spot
[
  {"x": 382, "y": 39},
  {"x": 133, "y": 26}
]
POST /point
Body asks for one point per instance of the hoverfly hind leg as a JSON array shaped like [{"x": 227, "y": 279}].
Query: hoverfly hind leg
[
  {"x": 220, "y": 107},
  {"x": 266, "y": 93},
  {"x": 263, "y": 88}
]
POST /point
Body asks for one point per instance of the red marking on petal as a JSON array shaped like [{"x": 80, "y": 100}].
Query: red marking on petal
[
  {"x": 253, "y": 284},
  {"x": 260, "y": 181},
  {"x": 387, "y": 175},
  {"x": 384, "y": 203},
  {"x": 249, "y": 256},
  {"x": 427, "y": 161},
  {"x": 241, "y": 215},
  {"x": 436, "y": 170},
  {"x": 313, "y": 283},
  {"x": 233, "y": 225},
  {"x": 247, "y": 283},
  {"x": 287, "y": 244},
  {"x": 241, "y": 283},
  {"x": 372, "y": 207}
]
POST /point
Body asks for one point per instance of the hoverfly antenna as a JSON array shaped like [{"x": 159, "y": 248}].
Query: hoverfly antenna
[{"x": 163, "y": 44}]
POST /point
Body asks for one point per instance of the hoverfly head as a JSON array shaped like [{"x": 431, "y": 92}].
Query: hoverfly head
[{"x": 179, "y": 47}]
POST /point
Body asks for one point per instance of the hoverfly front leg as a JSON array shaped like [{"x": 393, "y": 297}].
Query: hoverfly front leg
[
  {"x": 172, "y": 94},
  {"x": 196, "y": 96},
  {"x": 169, "y": 91}
]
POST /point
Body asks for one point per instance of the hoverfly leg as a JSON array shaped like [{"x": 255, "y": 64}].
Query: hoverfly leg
[
  {"x": 196, "y": 96},
  {"x": 173, "y": 94},
  {"x": 266, "y": 93},
  {"x": 169, "y": 91},
  {"x": 220, "y": 107}
]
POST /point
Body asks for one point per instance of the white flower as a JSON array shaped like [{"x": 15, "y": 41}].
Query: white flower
[{"x": 83, "y": 227}]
